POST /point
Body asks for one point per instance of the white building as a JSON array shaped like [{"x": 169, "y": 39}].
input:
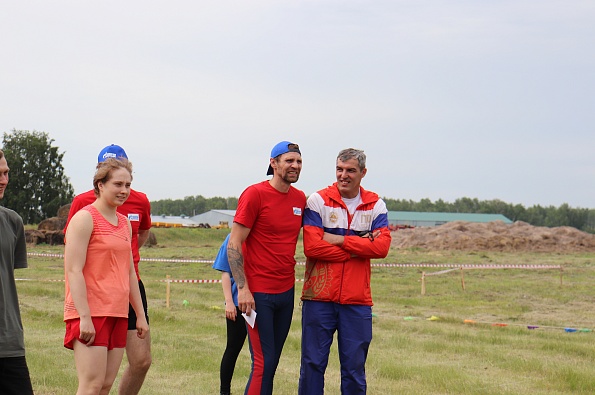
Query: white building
[{"x": 215, "y": 217}]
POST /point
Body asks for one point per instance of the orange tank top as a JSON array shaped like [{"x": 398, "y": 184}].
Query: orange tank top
[{"x": 107, "y": 269}]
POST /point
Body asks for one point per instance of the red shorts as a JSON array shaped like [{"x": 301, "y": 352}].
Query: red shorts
[{"x": 110, "y": 332}]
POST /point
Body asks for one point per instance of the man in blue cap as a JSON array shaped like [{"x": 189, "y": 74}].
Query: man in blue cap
[
  {"x": 138, "y": 210},
  {"x": 261, "y": 251}
]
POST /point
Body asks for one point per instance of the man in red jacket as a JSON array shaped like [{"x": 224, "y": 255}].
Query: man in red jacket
[
  {"x": 138, "y": 210},
  {"x": 344, "y": 227}
]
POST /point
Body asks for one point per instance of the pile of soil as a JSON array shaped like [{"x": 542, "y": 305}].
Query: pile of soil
[
  {"x": 49, "y": 230},
  {"x": 495, "y": 236}
]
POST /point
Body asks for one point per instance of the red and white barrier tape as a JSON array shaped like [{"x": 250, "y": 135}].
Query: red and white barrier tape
[
  {"x": 450, "y": 265},
  {"x": 297, "y": 280},
  {"x": 189, "y": 281},
  {"x": 441, "y": 272}
]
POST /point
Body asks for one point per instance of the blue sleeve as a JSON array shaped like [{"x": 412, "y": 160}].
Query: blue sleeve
[
  {"x": 221, "y": 263},
  {"x": 312, "y": 218}
]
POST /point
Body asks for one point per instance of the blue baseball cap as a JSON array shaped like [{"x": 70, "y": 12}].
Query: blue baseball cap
[
  {"x": 282, "y": 148},
  {"x": 111, "y": 151}
]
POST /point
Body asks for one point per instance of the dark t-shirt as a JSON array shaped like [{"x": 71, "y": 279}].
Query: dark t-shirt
[{"x": 13, "y": 255}]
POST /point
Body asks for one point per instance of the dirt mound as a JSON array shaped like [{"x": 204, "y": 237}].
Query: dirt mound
[
  {"x": 494, "y": 236},
  {"x": 51, "y": 237},
  {"x": 54, "y": 223},
  {"x": 63, "y": 211}
]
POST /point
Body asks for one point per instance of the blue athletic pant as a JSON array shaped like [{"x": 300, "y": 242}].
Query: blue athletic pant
[
  {"x": 353, "y": 324},
  {"x": 273, "y": 319}
]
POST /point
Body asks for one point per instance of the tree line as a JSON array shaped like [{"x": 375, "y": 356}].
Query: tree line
[
  {"x": 192, "y": 205},
  {"x": 537, "y": 215},
  {"x": 580, "y": 218},
  {"x": 39, "y": 187}
]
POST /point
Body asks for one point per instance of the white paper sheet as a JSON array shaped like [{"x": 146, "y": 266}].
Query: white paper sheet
[{"x": 250, "y": 319}]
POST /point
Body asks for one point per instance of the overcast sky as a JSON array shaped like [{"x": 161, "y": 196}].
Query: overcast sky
[{"x": 449, "y": 99}]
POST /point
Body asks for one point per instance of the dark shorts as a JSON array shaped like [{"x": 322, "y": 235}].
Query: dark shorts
[
  {"x": 110, "y": 332},
  {"x": 14, "y": 377},
  {"x": 132, "y": 314}
]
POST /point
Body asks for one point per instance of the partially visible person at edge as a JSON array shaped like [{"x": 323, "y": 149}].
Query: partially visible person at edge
[
  {"x": 14, "y": 373},
  {"x": 267, "y": 225},
  {"x": 101, "y": 281},
  {"x": 236, "y": 326},
  {"x": 138, "y": 210},
  {"x": 344, "y": 227}
]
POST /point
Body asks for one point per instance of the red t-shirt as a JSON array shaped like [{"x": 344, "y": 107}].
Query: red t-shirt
[
  {"x": 137, "y": 208},
  {"x": 275, "y": 220}
]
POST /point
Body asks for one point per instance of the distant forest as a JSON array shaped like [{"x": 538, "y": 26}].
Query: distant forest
[{"x": 580, "y": 218}]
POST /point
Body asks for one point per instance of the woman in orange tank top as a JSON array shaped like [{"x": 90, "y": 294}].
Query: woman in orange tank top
[{"x": 100, "y": 281}]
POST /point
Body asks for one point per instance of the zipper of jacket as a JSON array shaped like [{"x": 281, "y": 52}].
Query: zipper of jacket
[{"x": 349, "y": 218}]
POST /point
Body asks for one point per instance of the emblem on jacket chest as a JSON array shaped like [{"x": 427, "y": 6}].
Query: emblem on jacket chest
[{"x": 333, "y": 217}]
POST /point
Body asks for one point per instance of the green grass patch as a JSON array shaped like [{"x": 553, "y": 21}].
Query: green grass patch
[{"x": 410, "y": 354}]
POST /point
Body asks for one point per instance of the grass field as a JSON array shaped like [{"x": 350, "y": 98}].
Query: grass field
[{"x": 421, "y": 343}]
